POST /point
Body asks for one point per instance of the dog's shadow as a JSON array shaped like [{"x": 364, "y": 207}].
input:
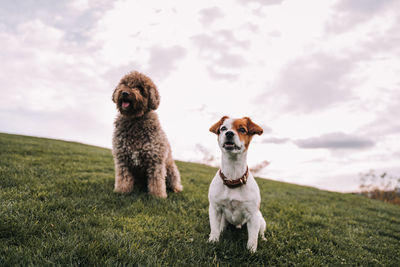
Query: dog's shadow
[
  {"x": 233, "y": 233},
  {"x": 234, "y": 240}
]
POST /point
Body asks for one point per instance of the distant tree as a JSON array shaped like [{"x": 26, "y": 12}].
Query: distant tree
[
  {"x": 382, "y": 187},
  {"x": 208, "y": 157},
  {"x": 259, "y": 167}
]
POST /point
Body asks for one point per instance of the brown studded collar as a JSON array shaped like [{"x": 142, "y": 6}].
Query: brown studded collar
[{"x": 235, "y": 183}]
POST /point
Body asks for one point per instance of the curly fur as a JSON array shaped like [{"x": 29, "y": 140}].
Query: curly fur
[{"x": 142, "y": 154}]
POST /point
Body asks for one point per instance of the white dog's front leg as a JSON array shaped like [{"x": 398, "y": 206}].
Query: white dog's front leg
[
  {"x": 215, "y": 223},
  {"x": 263, "y": 226},
  {"x": 253, "y": 228}
]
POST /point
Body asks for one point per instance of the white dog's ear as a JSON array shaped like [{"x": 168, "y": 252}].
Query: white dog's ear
[
  {"x": 215, "y": 127},
  {"x": 253, "y": 128}
]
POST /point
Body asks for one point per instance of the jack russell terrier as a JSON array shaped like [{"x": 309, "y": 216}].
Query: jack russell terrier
[{"x": 234, "y": 195}]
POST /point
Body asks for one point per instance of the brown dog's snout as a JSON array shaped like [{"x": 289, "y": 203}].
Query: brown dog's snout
[{"x": 125, "y": 94}]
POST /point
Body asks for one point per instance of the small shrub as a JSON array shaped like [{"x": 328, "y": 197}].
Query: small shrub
[{"x": 382, "y": 187}]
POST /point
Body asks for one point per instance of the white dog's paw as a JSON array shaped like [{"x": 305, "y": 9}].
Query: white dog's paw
[
  {"x": 213, "y": 239},
  {"x": 252, "y": 247}
]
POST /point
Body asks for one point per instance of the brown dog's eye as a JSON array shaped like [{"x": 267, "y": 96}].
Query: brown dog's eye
[
  {"x": 242, "y": 130},
  {"x": 140, "y": 88}
]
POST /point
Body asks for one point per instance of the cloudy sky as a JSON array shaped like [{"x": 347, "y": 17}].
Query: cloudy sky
[{"x": 321, "y": 77}]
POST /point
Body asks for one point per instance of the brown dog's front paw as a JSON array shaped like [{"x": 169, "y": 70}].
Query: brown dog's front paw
[
  {"x": 158, "y": 194},
  {"x": 177, "y": 189},
  {"x": 123, "y": 189}
]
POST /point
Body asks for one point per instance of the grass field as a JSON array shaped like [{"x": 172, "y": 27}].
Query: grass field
[{"x": 57, "y": 207}]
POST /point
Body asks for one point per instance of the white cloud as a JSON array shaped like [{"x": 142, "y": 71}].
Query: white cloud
[
  {"x": 49, "y": 88},
  {"x": 350, "y": 14},
  {"x": 209, "y": 15},
  {"x": 335, "y": 141},
  {"x": 80, "y": 5},
  {"x": 163, "y": 60},
  {"x": 275, "y": 140}
]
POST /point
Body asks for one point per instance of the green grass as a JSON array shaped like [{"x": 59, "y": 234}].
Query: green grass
[{"x": 57, "y": 207}]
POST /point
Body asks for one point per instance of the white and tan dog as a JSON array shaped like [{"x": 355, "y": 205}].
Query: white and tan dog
[{"x": 234, "y": 195}]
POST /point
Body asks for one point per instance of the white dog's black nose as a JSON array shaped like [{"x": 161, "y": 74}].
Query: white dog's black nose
[
  {"x": 125, "y": 94},
  {"x": 229, "y": 134}
]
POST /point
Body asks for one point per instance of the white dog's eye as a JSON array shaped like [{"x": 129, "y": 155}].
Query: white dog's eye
[
  {"x": 223, "y": 128},
  {"x": 242, "y": 130}
]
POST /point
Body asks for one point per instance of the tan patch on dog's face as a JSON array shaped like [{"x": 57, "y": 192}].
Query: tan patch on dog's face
[
  {"x": 240, "y": 127},
  {"x": 217, "y": 125},
  {"x": 246, "y": 129}
]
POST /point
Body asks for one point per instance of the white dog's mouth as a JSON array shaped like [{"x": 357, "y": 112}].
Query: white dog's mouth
[{"x": 230, "y": 146}]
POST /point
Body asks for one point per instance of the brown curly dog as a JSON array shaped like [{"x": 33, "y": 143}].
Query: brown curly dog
[{"x": 142, "y": 154}]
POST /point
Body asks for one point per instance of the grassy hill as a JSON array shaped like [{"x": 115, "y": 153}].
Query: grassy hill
[{"x": 57, "y": 208}]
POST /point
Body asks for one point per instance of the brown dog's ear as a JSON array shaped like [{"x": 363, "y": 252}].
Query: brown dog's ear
[
  {"x": 115, "y": 95},
  {"x": 215, "y": 127},
  {"x": 253, "y": 128},
  {"x": 151, "y": 88},
  {"x": 154, "y": 97},
  {"x": 138, "y": 79}
]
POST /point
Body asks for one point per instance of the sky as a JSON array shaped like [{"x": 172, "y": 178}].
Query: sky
[{"x": 320, "y": 77}]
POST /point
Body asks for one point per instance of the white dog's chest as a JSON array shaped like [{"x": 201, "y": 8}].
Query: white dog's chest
[
  {"x": 237, "y": 205},
  {"x": 235, "y": 212}
]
